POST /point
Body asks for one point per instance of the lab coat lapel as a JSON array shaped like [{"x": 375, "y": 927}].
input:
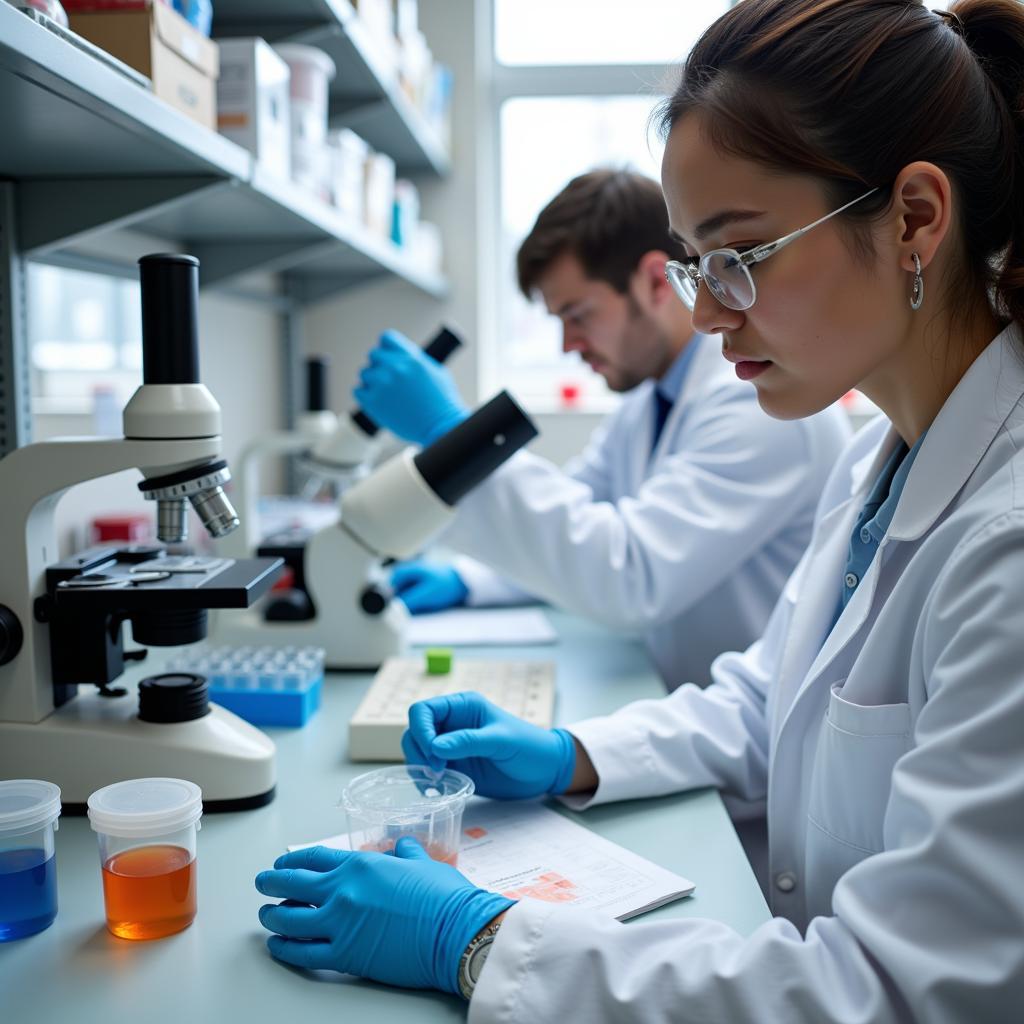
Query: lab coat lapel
[
  {"x": 707, "y": 363},
  {"x": 810, "y": 645},
  {"x": 642, "y": 460},
  {"x": 960, "y": 435},
  {"x": 956, "y": 442}
]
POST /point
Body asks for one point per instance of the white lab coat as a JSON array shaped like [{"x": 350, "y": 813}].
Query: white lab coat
[
  {"x": 891, "y": 754},
  {"x": 690, "y": 544}
]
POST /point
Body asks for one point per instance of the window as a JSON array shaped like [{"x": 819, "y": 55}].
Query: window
[
  {"x": 563, "y": 32},
  {"x": 556, "y": 138},
  {"x": 575, "y": 83},
  {"x": 85, "y": 335}
]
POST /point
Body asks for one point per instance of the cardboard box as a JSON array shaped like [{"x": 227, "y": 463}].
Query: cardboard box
[
  {"x": 154, "y": 39},
  {"x": 253, "y": 104}
]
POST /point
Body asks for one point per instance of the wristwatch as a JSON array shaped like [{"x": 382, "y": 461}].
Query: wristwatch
[{"x": 474, "y": 957}]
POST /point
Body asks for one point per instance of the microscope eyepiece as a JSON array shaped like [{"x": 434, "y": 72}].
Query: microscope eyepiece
[
  {"x": 169, "y": 290},
  {"x": 317, "y": 368},
  {"x": 454, "y": 464}
]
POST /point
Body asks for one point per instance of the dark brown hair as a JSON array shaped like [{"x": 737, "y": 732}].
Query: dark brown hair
[
  {"x": 608, "y": 219},
  {"x": 851, "y": 91}
]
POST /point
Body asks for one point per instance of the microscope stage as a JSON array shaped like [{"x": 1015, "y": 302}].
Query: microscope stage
[{"x": 111, "y": 578}]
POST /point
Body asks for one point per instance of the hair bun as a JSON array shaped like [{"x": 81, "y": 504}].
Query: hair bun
[{"x": 994, "y": 30}]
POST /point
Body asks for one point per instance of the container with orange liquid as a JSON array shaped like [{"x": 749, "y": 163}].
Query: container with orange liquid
[
  {"x": 147, "y": 837},
  {"x": 410, "y": 800}
]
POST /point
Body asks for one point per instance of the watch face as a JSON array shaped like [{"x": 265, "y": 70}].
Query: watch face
[{"x": 476, "y": 961}]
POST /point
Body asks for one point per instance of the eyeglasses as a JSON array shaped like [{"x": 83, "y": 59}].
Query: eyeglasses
[{"x": 726, "y": 272}]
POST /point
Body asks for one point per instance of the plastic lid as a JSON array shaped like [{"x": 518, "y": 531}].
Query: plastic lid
[
  {"x": 406, "y": 793},
  {"x": 301, "y": 53},
  {"x": 145, "y": 807},
  {"x": 27, "y": 804}
]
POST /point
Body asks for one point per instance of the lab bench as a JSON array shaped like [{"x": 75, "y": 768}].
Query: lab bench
[{"x": 219, "y": 968}]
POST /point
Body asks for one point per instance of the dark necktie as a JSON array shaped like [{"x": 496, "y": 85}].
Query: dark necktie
[{"x": 662, "y": 407}]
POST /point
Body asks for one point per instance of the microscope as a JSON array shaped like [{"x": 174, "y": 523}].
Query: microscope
[
  {"x": 349, "y": 608},
  {"x": 340, "y": 449},
  {"x": 62, "y": 621}
]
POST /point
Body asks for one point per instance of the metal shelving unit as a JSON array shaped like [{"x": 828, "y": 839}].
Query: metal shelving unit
[{"x": 87, "y": 151}]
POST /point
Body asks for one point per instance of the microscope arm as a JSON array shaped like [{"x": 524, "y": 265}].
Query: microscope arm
[
  {"x": 33, "y": 478},
  {"x": 241, "y": 543}
]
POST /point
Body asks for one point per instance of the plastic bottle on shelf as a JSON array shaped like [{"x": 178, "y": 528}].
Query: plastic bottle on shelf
[
  {"x": 311, "y": 74},
  {"x": 51, "y": 8},
  {"x": 198, "y": 13}
]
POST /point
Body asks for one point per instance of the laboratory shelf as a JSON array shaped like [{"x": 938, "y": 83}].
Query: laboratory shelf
[
  {"x": 365, "y": 95},
  {"x": 92, "y": 152},
  {"x": 66, "y": 115},
  {"x": 272, "y": 226}
]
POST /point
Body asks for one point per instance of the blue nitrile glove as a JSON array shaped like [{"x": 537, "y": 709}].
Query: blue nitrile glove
[
  {"x": 507, "y": 758},
  {"x": 428, "y": 586},
  {"x": 405, "y": 391},
  {"x": 403, "y": 919}
]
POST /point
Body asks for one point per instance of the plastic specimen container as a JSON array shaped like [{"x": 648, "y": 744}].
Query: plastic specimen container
[
  {"x": 263, "y": 685},
  {"x": 311, "y": 73},
  {"x": 407, "y": 800},
  {"x": 28, "y": 874},
  {"x": 147, "y": 839}
]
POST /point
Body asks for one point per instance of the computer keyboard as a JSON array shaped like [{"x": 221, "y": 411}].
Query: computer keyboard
[{"x": 525, "y": 688}]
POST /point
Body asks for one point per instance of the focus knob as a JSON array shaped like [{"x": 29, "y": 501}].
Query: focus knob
[
  {"x": 11, "y": 635},
  {"x": 173, "y": 697}
]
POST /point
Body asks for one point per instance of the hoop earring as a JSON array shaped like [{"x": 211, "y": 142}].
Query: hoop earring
[{"x": 917, "y": 295}]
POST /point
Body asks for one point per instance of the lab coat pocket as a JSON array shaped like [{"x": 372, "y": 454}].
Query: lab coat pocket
[{"x": 857, "y": 750}]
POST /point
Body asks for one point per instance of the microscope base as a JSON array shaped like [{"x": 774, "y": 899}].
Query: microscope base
[
  {"x": 94, "y": 741},
  {"x": 357, "y": 646}
]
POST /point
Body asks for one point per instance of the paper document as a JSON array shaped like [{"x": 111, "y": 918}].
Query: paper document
[
  {"x": 527, "y": 851},
  {"x": 487, "y": 627}
]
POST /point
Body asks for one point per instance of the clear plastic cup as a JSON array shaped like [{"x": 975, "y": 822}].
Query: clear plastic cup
[
  {"x": 28, "y": 873},
  {"x": 147, "y": 838},
  {"x": 407, "y": 800}
]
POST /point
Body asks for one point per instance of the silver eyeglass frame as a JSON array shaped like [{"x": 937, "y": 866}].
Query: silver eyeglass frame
[{"x": 696, "y": 274}]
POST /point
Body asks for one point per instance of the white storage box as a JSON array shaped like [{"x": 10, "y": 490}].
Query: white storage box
[
  {"x": 252, "y": 102},
  {"x": 379, "y": 193},
  {"x": 348, "y": 169}
]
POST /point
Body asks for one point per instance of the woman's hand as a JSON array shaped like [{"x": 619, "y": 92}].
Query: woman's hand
[{"x": 402, "y": 919}]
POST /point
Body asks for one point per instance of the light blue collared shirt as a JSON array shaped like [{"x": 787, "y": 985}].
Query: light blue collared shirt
[{"x": 875, "y": 517}]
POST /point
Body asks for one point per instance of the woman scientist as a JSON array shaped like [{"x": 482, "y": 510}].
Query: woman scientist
[{"x": 848, "y": 177}]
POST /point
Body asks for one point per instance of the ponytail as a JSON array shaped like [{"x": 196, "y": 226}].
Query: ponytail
[{"x": 994, "y": 31}]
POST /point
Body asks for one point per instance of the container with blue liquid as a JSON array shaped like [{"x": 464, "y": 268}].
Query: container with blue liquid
[{"x": 28, "y": 876}]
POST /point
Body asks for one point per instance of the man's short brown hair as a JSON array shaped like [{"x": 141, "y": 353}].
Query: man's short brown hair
[{"x": 608, "y": 219}]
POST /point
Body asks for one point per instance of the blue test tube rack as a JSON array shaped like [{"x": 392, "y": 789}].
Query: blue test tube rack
[{"x": 263, "y": 685}]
